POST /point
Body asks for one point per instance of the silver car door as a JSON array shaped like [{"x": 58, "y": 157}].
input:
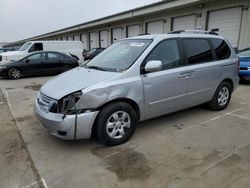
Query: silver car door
[
  {"x": 203, "y": 71},
  {"x": 165, "y": 91}
]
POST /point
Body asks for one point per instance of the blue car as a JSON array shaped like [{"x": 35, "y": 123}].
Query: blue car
[{"x": 244, "y": 65}]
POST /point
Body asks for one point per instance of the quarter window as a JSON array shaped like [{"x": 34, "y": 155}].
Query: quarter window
[
  {"x": 221, "y": 49},
  {"x": 168, "y": 53},
  {"x": 198, "y": 51}
]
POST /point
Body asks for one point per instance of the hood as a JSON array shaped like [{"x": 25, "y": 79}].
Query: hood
[
  {"x": 8, "y": 63},
  {"x": 13, "y": 55},
  {"x": 74, "y": 80}
]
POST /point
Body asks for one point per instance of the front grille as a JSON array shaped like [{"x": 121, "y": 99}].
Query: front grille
[{"x": 45, "y": 102}]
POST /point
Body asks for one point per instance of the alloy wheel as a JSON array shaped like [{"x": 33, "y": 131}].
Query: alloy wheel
[
  {"x": 117, "y": 125},
  {"x": 223, "y": 96}
]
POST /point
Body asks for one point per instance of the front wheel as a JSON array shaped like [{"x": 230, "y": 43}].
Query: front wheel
[
  {"x": 14, "y": 73},
  {"x": 221, "y": 97},
  {"x": 116, "y": 123}
]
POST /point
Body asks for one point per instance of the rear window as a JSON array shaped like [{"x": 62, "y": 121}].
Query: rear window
[
  {"x": 198, "y": 51},
  {"x": 221, "y": 49}
]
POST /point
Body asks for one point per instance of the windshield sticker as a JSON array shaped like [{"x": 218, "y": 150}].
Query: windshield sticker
[{"x": 137, "y": 44}]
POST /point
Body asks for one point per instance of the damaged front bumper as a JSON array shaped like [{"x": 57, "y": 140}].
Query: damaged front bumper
[{"x": 69, "y": 127}]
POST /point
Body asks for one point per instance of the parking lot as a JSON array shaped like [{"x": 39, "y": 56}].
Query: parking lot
[{"x": 193, "y": 148}]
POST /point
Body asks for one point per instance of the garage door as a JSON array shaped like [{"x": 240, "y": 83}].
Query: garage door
[
  {"x": 228, "y": 21},
  {"x": 184, "y": 23},
  {"x": 104, "y": 39},
  {"x": 77, "y": 37},
  {"x": 93, "y": 40},
  {"x": 116, "y": 34},
  {"x": 84, "y": 40},
  {"x": 133, "y": 30},
  {"x": 70, "y": 38},
  {"x": 155, "y": 27}
]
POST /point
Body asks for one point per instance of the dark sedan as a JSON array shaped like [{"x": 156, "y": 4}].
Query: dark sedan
[
  {"x": 92, "y": 53},
  {"x": 37, "y": 64}
]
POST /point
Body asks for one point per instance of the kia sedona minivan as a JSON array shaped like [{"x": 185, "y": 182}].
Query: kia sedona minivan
[{"x": 136, "y": 79}]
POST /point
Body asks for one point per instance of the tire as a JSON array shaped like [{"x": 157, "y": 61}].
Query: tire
[
  {"x": 116, "y": 123},
  {"x": 14, "y": 73},
  {"x": 221, "y": 97}
]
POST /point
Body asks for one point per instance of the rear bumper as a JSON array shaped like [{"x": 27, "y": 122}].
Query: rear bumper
[
  {"x": 244, "y": 73},
  {"x": 70, "y": 128}
]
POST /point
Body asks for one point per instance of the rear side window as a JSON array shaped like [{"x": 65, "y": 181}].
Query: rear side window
[
  {"x": 221, "y": 49},
  {"x": 198, "y": 51}
]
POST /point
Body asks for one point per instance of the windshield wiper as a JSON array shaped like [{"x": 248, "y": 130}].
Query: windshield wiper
[{"x": 95, "y": 67}]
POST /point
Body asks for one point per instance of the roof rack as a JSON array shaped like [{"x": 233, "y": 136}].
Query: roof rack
[{"x": 212, "y": 32}]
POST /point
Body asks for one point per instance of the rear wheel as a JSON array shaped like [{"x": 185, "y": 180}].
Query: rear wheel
[
  {"x": 116, "y": 123},
  {"x": 14, "y": 73},
  {"x": 221, "y": 97}
]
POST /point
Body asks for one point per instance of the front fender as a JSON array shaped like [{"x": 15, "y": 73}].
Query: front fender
[{"x": 130, "y": 88}]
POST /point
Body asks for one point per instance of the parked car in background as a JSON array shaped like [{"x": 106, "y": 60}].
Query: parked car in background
[
  {"x": 72, "y": 48},
  {"x": 137, "y": 79},
  {"x": 38, "y": 63},
  {"x": 6, "y": 50},
  {"x": 244, "y": 58},
  {"x": 92, "y": 53}
]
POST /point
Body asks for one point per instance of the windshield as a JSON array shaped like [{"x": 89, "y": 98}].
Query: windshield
[
  {"x": 24, "y": 47},
  {"x": 119, "y": 56},
  {"x": 244, "y": 54}
]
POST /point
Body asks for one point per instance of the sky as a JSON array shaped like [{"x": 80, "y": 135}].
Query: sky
[{"x": 20, "y": 19}]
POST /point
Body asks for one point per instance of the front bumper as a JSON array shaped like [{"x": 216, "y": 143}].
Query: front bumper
[{"x": 70, "y": 128}]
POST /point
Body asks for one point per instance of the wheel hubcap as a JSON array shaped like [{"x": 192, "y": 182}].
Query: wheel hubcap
[
  {"x": 15, "y": 73},
  {"x": 117, "y": 124},
  {"x": 223, "y": 96}
]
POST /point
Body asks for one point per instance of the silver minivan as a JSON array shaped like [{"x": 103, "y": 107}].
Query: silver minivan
[{"x": 136, "y": 79}]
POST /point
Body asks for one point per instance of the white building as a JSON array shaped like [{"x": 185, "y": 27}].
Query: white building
[{"x": 231, "y": 17}]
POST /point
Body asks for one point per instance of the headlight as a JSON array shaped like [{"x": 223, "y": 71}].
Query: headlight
[
  {"x": 67, "y": 103},
  {"x": 248, "y": 68}
]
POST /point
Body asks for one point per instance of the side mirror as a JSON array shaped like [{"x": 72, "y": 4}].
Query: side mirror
[
  {"x": 153, "y": 66},
  {"x": 27, "y": 60}
]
